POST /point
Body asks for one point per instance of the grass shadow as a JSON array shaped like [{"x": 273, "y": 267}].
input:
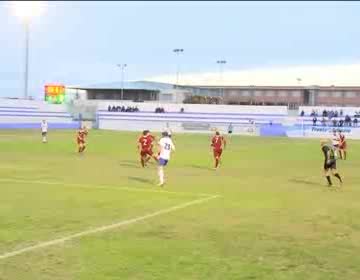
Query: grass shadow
[
  {"x": 135, "y": 164},
  {"x": 129, "y": 163},
  {"x": 305, "y": 182},
  {"x": 200, "y": 167},
  {"x": 140, "y": 180}
]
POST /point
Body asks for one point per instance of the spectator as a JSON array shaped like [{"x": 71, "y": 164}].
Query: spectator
[
  {"x": 159, "y": 110},
  {"x": 302, "y": 113},
  {"x": 347, "y": 120},
  {"x": 109, "y": 108},
  {"x": 341, "y": 123},
  {"x": 334, "y": 122},
  {"x": 341, "y": 113},
  {"x": 314, "y": 121},
  {"x": 230, "y": 129},
  {"x": 355, "y": 122},
  {"x": 182, "y": 110},
  {"x": 323, "y": 121}
]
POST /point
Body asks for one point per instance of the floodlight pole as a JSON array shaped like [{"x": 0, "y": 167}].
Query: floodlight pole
[
  {"x": 177, "y": 52},
  {"x": 221, "y": 64},
  {"x": 25, "y": 14},
  {"x": 26, "y": 70},
  {"x": 122, "y": 67}
]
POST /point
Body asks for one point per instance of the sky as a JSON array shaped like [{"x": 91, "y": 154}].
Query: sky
[{"x": 80, "y": 43}]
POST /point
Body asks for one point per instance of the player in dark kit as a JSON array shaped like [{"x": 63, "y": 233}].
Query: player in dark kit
[
  {"x": 329, "y": 161},
  {"x": 81, "y": 139},
  {"x": 218, "y": 142},
  {"x": 145, "y": 146}
]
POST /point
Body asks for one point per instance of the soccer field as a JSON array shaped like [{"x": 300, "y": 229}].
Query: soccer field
[{"x": 266, "y": 214}]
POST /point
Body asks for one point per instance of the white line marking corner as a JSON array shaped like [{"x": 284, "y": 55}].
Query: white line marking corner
[
  {"x": 103, "y": 228},
  {"x": 65, "y": 184}
]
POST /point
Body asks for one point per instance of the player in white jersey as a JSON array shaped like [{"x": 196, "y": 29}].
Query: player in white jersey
[
  {"x": 166, "y": 146},
  {"x": 335, "y": 142},
  {"x": 44, "y": 130}
]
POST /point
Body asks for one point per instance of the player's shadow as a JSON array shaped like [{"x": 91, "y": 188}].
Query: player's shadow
[
  {"x": 140, "y": 180},
  {"x": 200, "y": 167},
  {"x": 129, "y": 163},
  {"x": 305, "y": 182}
]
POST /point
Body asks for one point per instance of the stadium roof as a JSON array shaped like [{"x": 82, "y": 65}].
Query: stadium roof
[
  {"x": 128, "y": 85},
  {"x": 301, "y": 75}
]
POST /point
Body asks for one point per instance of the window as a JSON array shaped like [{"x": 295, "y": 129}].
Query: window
[
  {"x": 270, "y": 93},
  {"x": 323, "y": 94},
  {"x": 296, "y": 94},
  {"x": 233, "y": 93},
  {"x": 283, "y": 93},
  {"x": 245, "y": 93},
  {"x": 337, "y": 94},
  {"x": 166, "y": 97},
  {"x": 258, "y": 93},
  {"x": 350, "y": 94}
]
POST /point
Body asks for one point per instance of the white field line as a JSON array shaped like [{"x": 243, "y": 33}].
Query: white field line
[
  {"x": 8, "y": 135},
  {"x": 101, "y": 187},
  {"x": 21, "y": 168},
  {"x": 103, "y": 228},
  {"x": 21, "y": 135}
]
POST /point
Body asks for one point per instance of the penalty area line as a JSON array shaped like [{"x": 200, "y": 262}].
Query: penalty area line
[
  {"x": 104, "y": 187},
  {"x": 103, "y": 228}
]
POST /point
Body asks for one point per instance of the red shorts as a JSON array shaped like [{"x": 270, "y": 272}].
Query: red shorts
[
  {"x": 343, "y": 146},
  {"x": 80, "y": 141},
  {"x": 146, "y": 153},
  {"x": 217, "y": 153}
]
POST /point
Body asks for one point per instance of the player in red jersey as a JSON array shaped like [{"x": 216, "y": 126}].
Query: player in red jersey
[
  {"x": 342, "y": 145},
  {"x": 81, "y": 139},
  {"x": 145, "y": 146},
  {"x": 218, "y": 143}
]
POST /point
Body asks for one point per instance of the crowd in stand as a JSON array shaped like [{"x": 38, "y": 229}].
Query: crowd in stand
[
  {"x": 347, "y": 121},
  {"x": 329, "y": 113},
  {"x": 123, "y": 109},
  {"x": 159, "y": 110},
  {"x": 162, "y": 110},
  {"x": 333, "y": 118}
]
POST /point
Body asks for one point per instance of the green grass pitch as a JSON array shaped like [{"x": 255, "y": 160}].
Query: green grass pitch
[{"x": 274, "y": 217}]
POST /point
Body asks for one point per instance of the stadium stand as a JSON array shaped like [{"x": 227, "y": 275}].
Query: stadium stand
[
  {"x": 21, "y": 114},
  {"x": 200, "y": 118},
  {"x": 191, "y": 117},
  {"x": 342, "y": 111},
  {"x": 329, "y": 116}
]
